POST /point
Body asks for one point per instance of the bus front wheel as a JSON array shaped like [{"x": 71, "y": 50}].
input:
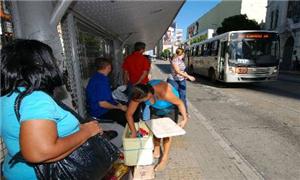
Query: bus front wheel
[{"x": 212, "y": 75}]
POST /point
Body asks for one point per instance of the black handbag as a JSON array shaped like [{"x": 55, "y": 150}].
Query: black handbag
[{"x": 91, "y": 161}]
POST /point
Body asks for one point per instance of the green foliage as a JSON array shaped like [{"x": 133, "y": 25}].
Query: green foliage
[
  {"x": 166, "y": 53},
  {"x": 237, "y": 22},
  {"x": 199, "y": 39}
]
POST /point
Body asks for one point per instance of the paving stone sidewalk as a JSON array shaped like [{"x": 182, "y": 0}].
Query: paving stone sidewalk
[{"x": 202, "y": 153}]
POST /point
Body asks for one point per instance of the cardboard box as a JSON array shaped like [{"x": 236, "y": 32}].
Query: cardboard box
[
  {"x": 144, "y": 172},
  {"x": 138, "y": 151}
]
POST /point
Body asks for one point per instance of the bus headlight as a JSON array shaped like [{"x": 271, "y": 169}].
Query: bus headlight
[{"x": 241, "y": 70}]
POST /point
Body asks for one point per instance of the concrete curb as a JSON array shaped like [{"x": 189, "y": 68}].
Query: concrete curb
[{"x": 241, "y": 163}]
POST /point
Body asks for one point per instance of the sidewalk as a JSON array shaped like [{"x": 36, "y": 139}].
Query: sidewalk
[{"x": 202, "y": 153}]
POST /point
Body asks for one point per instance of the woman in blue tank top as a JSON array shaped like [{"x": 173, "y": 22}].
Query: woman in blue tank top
[{"x": 164, "y": 102}]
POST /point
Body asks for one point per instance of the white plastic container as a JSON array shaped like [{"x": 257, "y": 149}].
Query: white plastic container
[{"x": 138, "y": 151}]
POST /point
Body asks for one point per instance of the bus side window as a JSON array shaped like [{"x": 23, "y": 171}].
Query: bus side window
[
  {"x": 224, "y": 48},
  {"x": 197, "y": 51},
  {"x": 205, "y": 53},
  {"x": 215, "y": 48},
  {"x": 209, "y": 45},
  {"x": 200, "y": 50},
  {"x": 192, "y": 51}
]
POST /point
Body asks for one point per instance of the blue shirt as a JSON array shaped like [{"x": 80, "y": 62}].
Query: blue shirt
[
  {"x": 37, "y": 105},
  {"x": 98, "y": 89}
]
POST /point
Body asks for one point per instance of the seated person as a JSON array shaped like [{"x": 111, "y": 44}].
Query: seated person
[{"x": 101, "y": 104}]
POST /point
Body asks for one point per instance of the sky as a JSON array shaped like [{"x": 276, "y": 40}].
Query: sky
[{"x": 191, "y": 11}]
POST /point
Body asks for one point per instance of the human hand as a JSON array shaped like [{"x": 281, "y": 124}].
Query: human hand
[
  {"x": 182, "y": 123},
  {"x": 133, "y": 134},
  {"x": 91, "y": 128},
  {"x": 122, "y": 107},
  {"x": 191, "y": 78}
]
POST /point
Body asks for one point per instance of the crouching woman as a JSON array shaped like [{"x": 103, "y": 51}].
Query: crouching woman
[{"x": 164, "y": 101}]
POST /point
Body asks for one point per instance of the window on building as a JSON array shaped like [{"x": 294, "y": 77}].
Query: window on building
[
  {"x": 276, "y": 18},
  {"x": 271, "y": 23},
  {"x": 293, "y": 11}
]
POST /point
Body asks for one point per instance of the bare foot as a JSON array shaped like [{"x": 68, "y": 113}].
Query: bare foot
[
  {"x": 161, "y": 165},
  {"x": 156, "y": 153}
]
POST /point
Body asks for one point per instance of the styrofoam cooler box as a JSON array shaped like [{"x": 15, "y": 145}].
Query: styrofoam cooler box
[{"x": 138, "y": 151}]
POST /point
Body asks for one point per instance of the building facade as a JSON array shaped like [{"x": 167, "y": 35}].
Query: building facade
[
  {"x": 284, "y": 17},
  {"x": 254, "y": 9},
  {"x": 172, "y": 39}
]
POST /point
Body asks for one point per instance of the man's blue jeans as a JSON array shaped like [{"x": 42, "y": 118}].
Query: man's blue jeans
[{"x": 180, "y": 86}]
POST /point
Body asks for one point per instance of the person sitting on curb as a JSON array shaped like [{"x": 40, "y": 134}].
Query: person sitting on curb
[
  {"x": 101, "y": 104},
  {"x": 164, "y": 101}
]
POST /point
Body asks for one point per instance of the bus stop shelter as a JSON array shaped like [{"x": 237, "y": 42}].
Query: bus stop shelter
[{"x": 80, "y": 31}]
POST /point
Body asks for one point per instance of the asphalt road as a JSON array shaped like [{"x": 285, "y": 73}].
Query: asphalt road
[{"x": 260, "y": 120}]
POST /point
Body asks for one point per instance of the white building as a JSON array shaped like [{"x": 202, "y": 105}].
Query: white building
[
  {"x": 179, "y": 36},
  {"x": 284, "y": 17},
  {"x": 254, "y": 9}
]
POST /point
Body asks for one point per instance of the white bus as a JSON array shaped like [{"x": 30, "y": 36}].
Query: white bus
[{"x": 237, "y": 57}]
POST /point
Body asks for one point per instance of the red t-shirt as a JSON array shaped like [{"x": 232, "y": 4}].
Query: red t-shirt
[{"x": 135, "y": 64}]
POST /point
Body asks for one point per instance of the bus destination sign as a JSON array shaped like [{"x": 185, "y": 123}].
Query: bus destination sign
[{"x": 256, "y": 35}]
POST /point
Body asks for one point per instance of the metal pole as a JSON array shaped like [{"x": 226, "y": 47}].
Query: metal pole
[{"x": 59, "y": 10}]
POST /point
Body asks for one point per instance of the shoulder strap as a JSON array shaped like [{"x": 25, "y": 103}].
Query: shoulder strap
[{"x": 58, "y": 102}]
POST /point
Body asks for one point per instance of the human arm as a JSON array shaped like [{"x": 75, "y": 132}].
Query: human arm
[
  {"x": 182, "y": 73},
  {"x": 108, "y": 105},
  {"x": 143, "y": 76},
  {"x": 39, "y": 141},
  {"x": 103, "y": 96},
  {"x": 125, "y": 77},
  {"x": 146, "y": 69},
  {"x": 129, "y": 116},
  {"x": 172, "y": 98}
]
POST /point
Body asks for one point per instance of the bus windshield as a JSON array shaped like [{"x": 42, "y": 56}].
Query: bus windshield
[{"x": 254, "y": 52}]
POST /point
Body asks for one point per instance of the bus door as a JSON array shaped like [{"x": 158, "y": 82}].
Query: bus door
[{"x": 221, "y": 60}]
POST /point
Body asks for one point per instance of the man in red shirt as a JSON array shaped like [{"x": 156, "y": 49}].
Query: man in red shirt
[{"x": 136, "y": 67}]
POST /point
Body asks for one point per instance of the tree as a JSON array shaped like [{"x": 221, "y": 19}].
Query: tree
[
  {"x": 166, "y": 54},
  {"x": 237, "y": 22}
]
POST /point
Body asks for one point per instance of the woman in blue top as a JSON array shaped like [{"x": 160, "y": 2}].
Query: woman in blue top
[
  {"x": 164, "y": 101},
  {"x": 45, "y": 132}
]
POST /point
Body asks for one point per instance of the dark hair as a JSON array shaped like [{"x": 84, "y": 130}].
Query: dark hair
[
  {"x": 139, "y": 46},
  {"x": 101, "y": 63},
  {"x": 29, "y": 64},
  {"x": 140, "y": 91}
]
